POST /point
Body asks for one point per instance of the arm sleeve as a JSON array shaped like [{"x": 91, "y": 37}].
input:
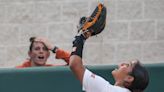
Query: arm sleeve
[{"x": 61, "y": 54}]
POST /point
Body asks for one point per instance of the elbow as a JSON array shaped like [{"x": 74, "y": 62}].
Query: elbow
[
  {"x": 77, "y": 67},
  {"x": 75, "y": 62},
  {"x": 72, "y": 63}
]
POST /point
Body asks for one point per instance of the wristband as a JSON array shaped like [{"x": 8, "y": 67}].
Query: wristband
[
  {"x": 54, "y": 49},
  {"x": 78, "y": 45}
]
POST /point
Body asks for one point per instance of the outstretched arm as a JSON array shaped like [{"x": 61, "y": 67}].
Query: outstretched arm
[
  {"x": 76, "y": 64},
  {"x": 77, "y": 67},
  {"x": 90, "y": 26}
]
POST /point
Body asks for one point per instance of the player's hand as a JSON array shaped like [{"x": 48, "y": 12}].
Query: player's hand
[{"x": 48, "y": 44}]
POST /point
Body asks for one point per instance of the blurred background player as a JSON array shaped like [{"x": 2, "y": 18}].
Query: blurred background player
[{"x": 39, "y": 52}]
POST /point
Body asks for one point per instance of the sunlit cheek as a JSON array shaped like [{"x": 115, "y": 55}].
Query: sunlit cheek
[
  {"x": 47, "y": 54},
  {"x": 35, "y": 52},
  {"x": 124, "y": 70},
  {"x": 32, "y": 55}
]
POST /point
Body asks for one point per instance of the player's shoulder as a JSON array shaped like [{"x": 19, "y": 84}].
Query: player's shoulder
[{"x": 118, "y": 89}]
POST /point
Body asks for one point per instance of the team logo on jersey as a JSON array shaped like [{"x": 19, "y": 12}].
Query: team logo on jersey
[{"x": 93, "y": 75}]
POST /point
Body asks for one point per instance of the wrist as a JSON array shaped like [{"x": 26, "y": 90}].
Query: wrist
[
  {"x": 78, "y": 44},
  {"x": 54, "y": 49}
]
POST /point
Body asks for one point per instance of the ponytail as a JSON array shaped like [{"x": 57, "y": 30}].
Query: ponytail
[{"x": 141, "y": 78}]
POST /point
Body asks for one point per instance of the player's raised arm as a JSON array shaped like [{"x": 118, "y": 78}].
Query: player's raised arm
[
  {"x": 88, "y": 26},
  {"x": 76, "y": 63}
]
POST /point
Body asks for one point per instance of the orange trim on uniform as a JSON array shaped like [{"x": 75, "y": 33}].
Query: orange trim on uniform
[{"x": 61, "y": 54}]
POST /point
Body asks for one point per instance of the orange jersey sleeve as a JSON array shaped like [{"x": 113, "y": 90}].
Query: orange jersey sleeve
[{"x": 61, "y": 54}]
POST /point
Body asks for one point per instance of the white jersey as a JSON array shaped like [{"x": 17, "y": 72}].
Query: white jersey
[{"x": 94, "y": 83}]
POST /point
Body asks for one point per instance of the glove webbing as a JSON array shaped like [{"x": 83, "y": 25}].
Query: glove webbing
[{"x": 88, "y": 24}]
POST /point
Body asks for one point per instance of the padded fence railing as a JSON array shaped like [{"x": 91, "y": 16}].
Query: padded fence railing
[{"x": 61, "y": 79}]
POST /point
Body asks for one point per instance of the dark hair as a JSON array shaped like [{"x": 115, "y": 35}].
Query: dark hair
[
  {"x": 32, "y": 41},
  {"x": 141, "y": 78}
]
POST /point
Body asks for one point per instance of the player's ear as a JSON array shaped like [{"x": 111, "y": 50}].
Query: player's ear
[{"x": 128, "y": 80}]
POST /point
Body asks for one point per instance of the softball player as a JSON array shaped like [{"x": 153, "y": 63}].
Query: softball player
[{"x": 129, "y": 77}]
